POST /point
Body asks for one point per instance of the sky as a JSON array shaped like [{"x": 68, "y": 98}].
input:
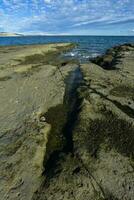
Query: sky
[{"x": 67, "y": 17}]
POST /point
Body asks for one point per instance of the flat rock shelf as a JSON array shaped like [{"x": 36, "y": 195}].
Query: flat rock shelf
[{"x": 66, "y": 128}]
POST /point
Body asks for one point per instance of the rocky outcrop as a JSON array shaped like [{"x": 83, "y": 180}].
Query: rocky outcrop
[
  {"x": 112, "y": 56},
  {"x": 103, "y": 137},
  {"x": 31, "y": 82},
  {"x": 99, "y": 164},
  {"x": 66, "y": 130}
]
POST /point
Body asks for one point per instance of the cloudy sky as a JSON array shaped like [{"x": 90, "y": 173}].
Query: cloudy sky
[{"x": 77, "y": 17}]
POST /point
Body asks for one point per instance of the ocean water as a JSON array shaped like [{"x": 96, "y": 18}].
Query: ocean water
[{"x": 88, "y": 46}]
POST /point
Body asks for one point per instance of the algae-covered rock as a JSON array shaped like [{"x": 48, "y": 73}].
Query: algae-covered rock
[
  {"x": 66, "y": 131},
  {"x": 31, "y": 83},
  {"x": 112, "y": 56},
  {"x": 103, "y": 136}
]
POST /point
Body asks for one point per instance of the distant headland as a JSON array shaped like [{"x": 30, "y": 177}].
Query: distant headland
[{"x": 4, "y": 34}]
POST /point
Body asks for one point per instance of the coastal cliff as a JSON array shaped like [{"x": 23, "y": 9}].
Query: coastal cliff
[{"x": 66, "y": 128}]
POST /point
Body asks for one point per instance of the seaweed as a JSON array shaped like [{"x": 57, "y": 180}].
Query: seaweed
[
  {"x": 123, "y": 91},
  {"x": 117, "y": 132},
  {"x": 56, "y": 116},
  {"x": 5, "y": 78}
]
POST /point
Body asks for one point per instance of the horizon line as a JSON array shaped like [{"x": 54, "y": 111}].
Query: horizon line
[{"x": 51, "y": 35}]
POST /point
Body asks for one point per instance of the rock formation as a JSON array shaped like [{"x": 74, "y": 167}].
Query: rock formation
[
  {"x": 67, "y": 130},
  {"x": 30, "y": 84},
  {"x": 104, "y": 133}
]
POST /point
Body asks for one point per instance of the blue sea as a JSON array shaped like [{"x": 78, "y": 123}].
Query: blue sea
[{"x": 88, "y": 46}]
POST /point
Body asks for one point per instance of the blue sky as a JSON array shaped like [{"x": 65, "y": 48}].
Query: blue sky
[{"x": 77, "y": 17}]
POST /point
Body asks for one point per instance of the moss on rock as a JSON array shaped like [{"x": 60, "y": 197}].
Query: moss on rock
[
  {"x": 117, "y": 132},
  {"x": 56, "y": 117}
]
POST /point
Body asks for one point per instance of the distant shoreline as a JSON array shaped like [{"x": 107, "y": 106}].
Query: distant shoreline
[
  {"x": 10, "y": 34},
  {"x": 21, "y": 35}
]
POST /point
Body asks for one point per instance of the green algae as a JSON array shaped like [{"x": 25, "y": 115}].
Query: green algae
[
  {"x": 50, "y": 57},
  {"x": 123, "y": 91},
  {"x": 5, "y": 78},
  {"x": 56, "y": 117},
  {"x": 116, "y": 132}
]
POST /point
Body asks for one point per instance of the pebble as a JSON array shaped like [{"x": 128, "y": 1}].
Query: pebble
[{"x": 42, "y": 119}]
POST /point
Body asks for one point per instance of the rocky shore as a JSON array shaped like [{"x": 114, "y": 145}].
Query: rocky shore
[
  {"x": 104, "y": 133},
  {"x": 66, "y": 130},
  {"x": 31, "y": 82}
]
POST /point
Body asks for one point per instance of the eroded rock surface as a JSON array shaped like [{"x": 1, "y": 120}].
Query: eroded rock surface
[
  {"x": 67, "y": 131},
  {"x": 104, "y": 134},
  {"x": 31, "y": 82},
  {"x": 100, "y": 164}
]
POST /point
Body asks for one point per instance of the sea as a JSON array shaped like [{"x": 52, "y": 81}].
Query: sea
[{"x": 88, "y": 46}]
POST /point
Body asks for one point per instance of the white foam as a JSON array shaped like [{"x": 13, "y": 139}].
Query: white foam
[
  {"x": 72, "y": 54},
  {"x": 86, "y": 56},
  {"x": 93, "y": 55}
]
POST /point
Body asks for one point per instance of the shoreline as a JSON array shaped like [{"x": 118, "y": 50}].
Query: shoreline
[
  {"x": 69, "y": 35},
  {"x": 66, "y": 127},
  {"x": 31, "y": 83}
]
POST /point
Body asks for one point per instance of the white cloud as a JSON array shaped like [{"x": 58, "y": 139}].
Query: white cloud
[
  {"x": 63, "y": 15},
  {"x": 48, "y": 1}
]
